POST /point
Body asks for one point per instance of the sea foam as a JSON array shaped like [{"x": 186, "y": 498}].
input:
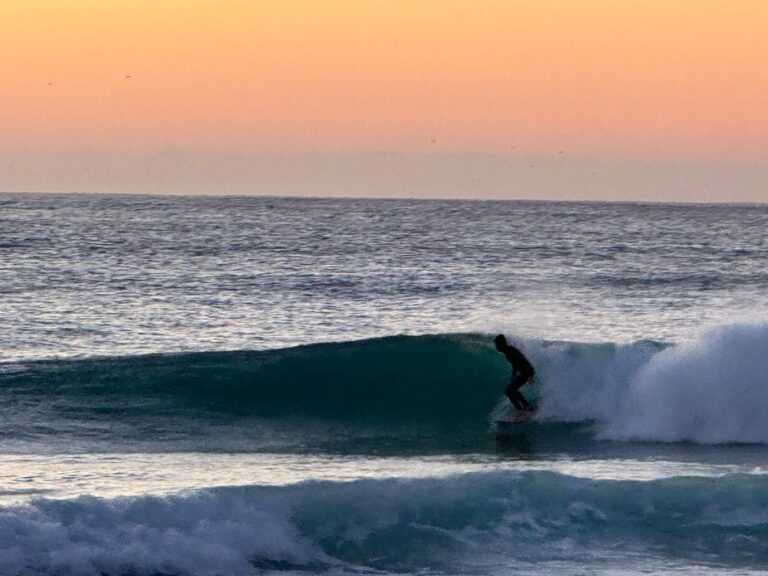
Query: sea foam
[
  {"x": 453, "y": 525},
  {"x": 713, "y": 389}
]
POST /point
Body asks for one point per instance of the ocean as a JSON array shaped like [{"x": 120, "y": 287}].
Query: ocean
[{"x": 262, "y": 385}]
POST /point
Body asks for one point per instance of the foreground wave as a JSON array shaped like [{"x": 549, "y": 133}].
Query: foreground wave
[
  {"x": 475, "y": 522},
  {"x": 712, "y": 390}
]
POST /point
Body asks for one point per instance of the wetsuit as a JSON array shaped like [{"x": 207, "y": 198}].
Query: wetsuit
[{"x": 522, "y": 371}]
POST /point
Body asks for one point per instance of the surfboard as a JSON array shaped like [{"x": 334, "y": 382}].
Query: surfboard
[{"x": 517, "y": 417}]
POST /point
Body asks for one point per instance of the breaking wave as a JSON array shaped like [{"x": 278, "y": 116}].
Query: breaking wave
[
  {"x": 471, "y": 522},
  {"x": 711, "y": 390}
]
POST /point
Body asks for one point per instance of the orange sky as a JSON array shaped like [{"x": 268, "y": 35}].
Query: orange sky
[{"x": 676, "y": 80}]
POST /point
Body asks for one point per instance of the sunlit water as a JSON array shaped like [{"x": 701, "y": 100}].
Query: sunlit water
[
  {"x": 113, "y": 475},
  {"x": 98, "y": 275}
]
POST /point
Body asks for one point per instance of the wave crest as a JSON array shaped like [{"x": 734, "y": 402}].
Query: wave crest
[
  {"x": 452, "y": 524},
  {"x": 711, "y": 390}
]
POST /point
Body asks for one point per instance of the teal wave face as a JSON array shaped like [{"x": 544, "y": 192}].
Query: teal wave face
[
  {"x": 445, "y": 378},
  {"x": 371, "y": 395}
]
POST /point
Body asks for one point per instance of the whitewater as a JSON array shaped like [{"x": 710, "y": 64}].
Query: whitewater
[{"x": 235, "y": 386}]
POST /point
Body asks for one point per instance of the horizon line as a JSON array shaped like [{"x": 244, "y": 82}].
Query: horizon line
[{"x": 391, "y": 198}]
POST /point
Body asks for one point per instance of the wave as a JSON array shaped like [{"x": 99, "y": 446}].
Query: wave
[
  {"x": 401, "y": 377},
  {"x": 711, "y": 390},
  {"x": 452, "y": 524}
]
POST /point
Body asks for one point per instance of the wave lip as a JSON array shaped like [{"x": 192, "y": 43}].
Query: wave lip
[
  {"x": 712, "y": 391},
  {"x": 454, "y": 524}
]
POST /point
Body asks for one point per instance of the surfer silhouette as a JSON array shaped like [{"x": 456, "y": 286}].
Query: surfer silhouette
[{"x": 522, "y": 372}]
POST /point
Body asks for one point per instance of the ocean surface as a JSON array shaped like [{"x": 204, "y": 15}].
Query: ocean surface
[{"x": 235, "y": 386}]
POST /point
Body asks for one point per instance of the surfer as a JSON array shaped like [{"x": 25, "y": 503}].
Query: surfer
[{"x": 522, "y": 372}]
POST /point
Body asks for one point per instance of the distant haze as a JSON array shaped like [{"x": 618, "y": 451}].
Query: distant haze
[
  {"x": 560, "y": 99},
  {"x": 381, "y": 175}
]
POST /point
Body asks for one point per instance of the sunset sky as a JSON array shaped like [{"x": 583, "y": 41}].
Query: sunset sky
[{"x": 614, "y": 99}]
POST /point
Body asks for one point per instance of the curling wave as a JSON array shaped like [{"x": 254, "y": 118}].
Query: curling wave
[{"x": 712, "y": 390}]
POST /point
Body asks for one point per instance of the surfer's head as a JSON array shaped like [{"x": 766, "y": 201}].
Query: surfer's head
[{"x": 500, "y": 341}]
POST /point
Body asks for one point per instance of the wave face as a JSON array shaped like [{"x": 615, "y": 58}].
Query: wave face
[
  {"x": 385, "y": 394},
  {"x": 475, "y": 522},
  {"x": 401, "y": 378},
  {"x": 713, "y": 390}
]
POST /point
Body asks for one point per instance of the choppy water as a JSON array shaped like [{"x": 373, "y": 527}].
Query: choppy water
[
  {"x": 90, "y": 275},
  {"x": 250, "y": 385}
]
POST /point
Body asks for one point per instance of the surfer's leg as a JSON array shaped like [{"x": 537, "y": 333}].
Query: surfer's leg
[
  {"x": 514, "y": 397},
  {"x": 526, "y": 405},
  {"x": 518, "y": 400},
  {"x": 514, "y": 394}
]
